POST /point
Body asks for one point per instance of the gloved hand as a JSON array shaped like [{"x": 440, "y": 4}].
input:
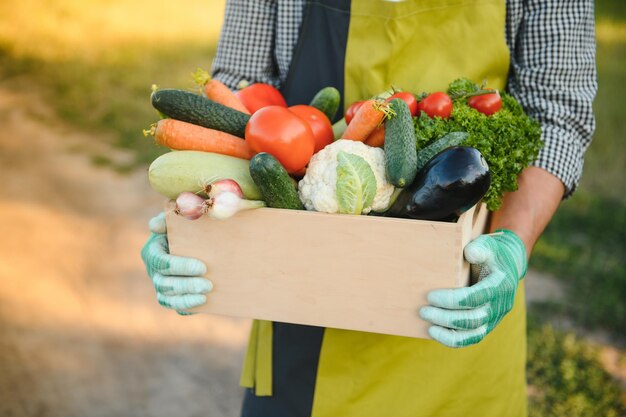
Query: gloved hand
[
  {"x": 177, "y": 280},
  {"x": 464, "y": 316}
]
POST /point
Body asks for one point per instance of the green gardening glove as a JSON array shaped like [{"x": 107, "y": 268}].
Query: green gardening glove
[
  {"x": 464, "y": 316},
  {"x": 177, "y": 280}
]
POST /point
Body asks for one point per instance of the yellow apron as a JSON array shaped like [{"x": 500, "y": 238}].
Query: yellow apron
[{"x": 416, "y": 45}]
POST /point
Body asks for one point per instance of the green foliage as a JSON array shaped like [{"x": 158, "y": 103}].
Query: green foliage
[
  {"x": 585, "y": 246},
  {"x": 509, "y": 140},
  {"x": 356, "y": 183},
  {"x": 567, "y": 379}
]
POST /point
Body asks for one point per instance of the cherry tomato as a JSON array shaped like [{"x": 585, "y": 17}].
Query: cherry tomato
[
  {"x": 408, "y": 98},
  {"x": 486, "y": 103},
  {"x": 319, "y": 123},
  {"x": 279, "y": 132},
  {"x": 351, "y": 110},
  {"x": 436, "y": 104},
  {"x": 259, "y": 95}
]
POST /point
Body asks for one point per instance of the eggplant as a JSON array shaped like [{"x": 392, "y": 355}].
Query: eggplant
[{"x": 450, "y": 183}]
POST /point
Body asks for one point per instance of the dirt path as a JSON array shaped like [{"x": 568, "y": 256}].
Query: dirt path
[{"x": 80, "y": 331}]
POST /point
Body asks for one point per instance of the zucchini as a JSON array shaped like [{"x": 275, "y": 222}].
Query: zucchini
[
  {"x": 175, "y": 172},
  {"x": 199, "y": 110},
  {"x": 277, "y": 187},
  {"x": 400, "y": 152},
  {"x": 451, "y": 139},
  {"x": 327, "y": 100}
]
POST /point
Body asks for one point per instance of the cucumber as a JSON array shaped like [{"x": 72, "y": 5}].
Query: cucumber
[
  {"x": 276, "y": 186},
  {"x": 400, "y": 152},
  {"x": 175, "y": 172},
  {"x": 199, "y": 110},
  {"x": 327, "y": 100},
  {"x": 451, "y": 139}
]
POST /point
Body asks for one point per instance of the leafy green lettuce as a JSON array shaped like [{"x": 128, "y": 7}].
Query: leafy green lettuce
[
  {"x": 509, "y": 140},
  {"x": 356, "y": 183}
]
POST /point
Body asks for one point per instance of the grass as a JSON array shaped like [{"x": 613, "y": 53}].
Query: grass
[
  {"x": 566, "y": 378},
  {"x": 98, "y": 63}
]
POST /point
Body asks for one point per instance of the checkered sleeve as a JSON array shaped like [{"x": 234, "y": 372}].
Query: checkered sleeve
[
  {"x": 245, "y": 50},
  {"x": 553, "y": 75}
]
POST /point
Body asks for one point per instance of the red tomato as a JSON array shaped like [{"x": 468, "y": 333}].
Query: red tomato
[
  {"x": 486, "y": 103},
  {"x": 279, "y": 132},
  {"x": 436, "y": 104},
  {"x": 408, "y": 98},
  {"x": 351, "y": 110},
  {"x": 319, "y": 123},
  {"x": 259, "y": 95}
]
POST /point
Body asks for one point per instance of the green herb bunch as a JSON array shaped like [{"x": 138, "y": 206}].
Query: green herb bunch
[{"x": 509, "y": 139}]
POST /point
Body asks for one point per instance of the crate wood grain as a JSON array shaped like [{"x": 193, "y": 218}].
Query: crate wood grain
[{"x": 350, "y": 272}]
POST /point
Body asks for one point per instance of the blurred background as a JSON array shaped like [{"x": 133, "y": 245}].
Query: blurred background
[{"x": 81, "y": 332}]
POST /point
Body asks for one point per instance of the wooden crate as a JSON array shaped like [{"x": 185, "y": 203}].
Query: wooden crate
[{"x": 350, "y": 272}]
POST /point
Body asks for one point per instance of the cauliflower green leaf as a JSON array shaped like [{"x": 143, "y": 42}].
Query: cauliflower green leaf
[{"x": 356, "y": 183}]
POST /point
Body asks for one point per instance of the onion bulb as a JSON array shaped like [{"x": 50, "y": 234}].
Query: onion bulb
[{"x": 191, "y": 206}]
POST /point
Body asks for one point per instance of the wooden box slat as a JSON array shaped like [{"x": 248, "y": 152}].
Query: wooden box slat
[{"x": 351, "y": 272}]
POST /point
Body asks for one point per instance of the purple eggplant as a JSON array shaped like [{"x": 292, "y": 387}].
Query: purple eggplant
[{"x": 451, "y": 183}]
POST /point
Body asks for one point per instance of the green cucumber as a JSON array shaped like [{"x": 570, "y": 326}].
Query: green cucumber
[
  {"x": 451, "y": 139},
  {"x": 327, "y": 100},
  {"x": 199, "y": 110},
  {"x": 400, "y": 152},
  {"x": 174, "y": 172},
  {"x": 276, "y": 186}
]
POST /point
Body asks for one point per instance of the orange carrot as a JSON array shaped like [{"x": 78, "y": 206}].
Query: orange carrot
[
  {"x": 369, "y": 116},
  {"x": 185, "y": 136},
  {"x": 217, "y": 91},
  {"x": 377, "y": 137}
]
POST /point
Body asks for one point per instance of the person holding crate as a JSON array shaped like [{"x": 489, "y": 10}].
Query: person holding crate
[{"x": 543, "y": 52}]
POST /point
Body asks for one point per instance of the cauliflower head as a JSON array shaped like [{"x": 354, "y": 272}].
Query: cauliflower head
[{"x": 317, "y": 190}]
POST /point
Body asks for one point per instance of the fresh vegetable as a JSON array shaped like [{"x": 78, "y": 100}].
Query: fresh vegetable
[
  {"x": 356, "y": 183},
  {"x": 318, "y": 190},
  {"x": 450, "y": 184},
  {"x": 277, "y": 187},
  {"x": 436, "y": 105},
  {"x": 221, "y": 186},
  {"x": 259, "y": 95},
  {"x": 278, "y": 131},
  {"x": 217, "y": 91},
  {"x": 487, "y": 104},
  {"x": 351, "y": 110},
  {"x": 408, "y": 98},
  {"x": 199, "y": 110},
  {"x": 449, "y": 140},
  {"x": 176, "y": 172},
  {"x": 190, "y": 205},
  {"x": 400, "y": 152},
  {"x": 227, "y": 204},
  {"x": 377, "y": 137},
  {"x": 338, "y": 128},
  {"x": 318, "y": 122},
  {"x": 367, "y": 118},
  {"x": 509, "y": 140},
  {"x": 189, "y": 137},
  {"x": 327, "y": 101}
]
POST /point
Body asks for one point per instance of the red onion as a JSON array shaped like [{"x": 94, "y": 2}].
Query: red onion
[
  {"x": 218, "y": 187},
  {"x": 191, "y": 206},
  {"x": 226, "y": 204}
]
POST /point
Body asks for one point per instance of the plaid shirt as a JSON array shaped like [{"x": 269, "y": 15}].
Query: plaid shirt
[{"x": 552, "y": 71}]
